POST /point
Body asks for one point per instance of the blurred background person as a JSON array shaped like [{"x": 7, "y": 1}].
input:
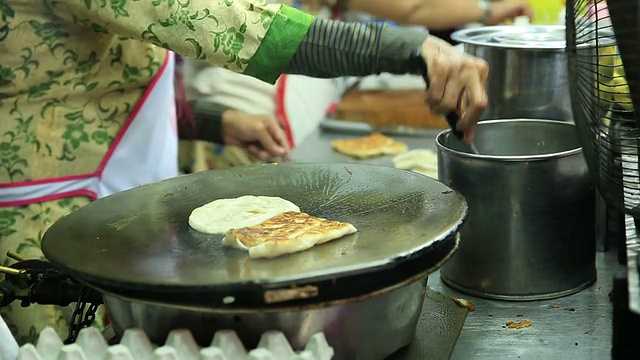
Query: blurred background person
[{"x": 300, "y": 103}]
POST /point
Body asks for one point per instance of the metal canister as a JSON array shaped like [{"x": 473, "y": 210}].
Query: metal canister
[
  {"x": 530, "y": 233},
  {"x": 528, "y": 76}
]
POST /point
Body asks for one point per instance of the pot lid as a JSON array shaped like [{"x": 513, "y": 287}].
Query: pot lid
[
  {"x": 140, "y": 239},
  {"x": 533, "y": 37},
  {"x": 525, "y": 37}
]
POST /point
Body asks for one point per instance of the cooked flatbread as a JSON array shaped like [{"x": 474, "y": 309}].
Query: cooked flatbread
[
  {"x": 372, "y": 145},
  {"x": 286, "y": 233},
  {"x": 423, "y": 161},
  {"x": 218, "y": 216}
]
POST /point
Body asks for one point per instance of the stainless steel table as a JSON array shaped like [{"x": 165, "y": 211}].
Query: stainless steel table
[
  {"x": 316, "y": 148},
  {"x": 579, "y": 328}
]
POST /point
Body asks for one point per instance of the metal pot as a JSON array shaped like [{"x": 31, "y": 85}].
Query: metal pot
[
  {"x": 369, "y": 327},
  {"x": 528, "y": 75},
  {"x": 530, "y": 233}
]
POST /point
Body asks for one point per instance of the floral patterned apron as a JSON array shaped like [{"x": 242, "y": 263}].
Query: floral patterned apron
[{"x": 27, "y": 209}]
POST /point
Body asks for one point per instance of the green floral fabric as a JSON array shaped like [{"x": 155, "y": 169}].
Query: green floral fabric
[
  {"x": 72, "y": 71},
  {"x": 21, "y": 230},
  {"x": 275, "y": 53}
]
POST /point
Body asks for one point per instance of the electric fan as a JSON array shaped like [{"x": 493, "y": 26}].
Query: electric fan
[
  {"x": 601, "y": 39},
  {"x": 603, "y": 51}
]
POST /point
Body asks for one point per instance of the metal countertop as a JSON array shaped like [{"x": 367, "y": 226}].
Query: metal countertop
[
  {"x": 554, "y": 334},
  {"x": 316, "y": 148}
]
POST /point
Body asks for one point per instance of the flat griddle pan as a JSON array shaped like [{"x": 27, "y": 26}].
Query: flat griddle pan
[{"x": 139, "y": 241}]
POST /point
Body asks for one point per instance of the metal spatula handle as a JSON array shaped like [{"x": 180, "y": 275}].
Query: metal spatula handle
[{"x": 452, "y": 117}]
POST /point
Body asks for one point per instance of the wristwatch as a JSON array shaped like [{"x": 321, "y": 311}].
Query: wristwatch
[{"x": 486, "y": 10}]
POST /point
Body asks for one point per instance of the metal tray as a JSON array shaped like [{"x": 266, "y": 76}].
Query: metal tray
[{"x": 140, "y": 240}]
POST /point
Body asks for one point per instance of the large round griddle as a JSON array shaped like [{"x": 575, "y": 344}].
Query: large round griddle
[{"x": 140, "y": 239}]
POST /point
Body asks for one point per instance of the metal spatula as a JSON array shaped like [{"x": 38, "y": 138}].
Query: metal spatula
[{"x": 452, "y": 117}]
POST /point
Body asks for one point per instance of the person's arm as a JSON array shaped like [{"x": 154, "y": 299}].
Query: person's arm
[
  {"x": 440, "y": 14},
  {"x": 245, "y": 36},
  {"x": 333, "y": 48},
  {"x": 265, "y": 41},
  {"x": 207, "y": 122},
  {"x": 260, "y": 135},
  {"x": 287, "y": 40}
]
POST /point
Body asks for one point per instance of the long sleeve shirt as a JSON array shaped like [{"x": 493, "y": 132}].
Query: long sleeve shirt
[{"x": 72, "y": 71}]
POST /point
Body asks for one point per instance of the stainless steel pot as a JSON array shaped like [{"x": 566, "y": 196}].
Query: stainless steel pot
[
  {"x": 369, "y": 327},
  {"x": 528, "y": 75},
  {"x": 530, "y": 233}
]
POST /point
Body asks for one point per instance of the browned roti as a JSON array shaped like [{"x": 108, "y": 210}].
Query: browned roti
[
  {"x": 287, "y": 233},
  {"x": 372, "y": 145}
]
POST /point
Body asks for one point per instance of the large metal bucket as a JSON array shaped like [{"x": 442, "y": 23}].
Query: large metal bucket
[{"x": 530, "y": 233}]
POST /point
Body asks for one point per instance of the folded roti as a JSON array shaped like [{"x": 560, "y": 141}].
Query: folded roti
[
  {"x": 286, "y": 233},
  {"x": 218, "y": 216},
  {"x": 369, "y": 146},
  {"x": 423, "y": 161}
]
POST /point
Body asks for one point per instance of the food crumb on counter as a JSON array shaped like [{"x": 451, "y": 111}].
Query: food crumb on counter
[
  {"x": 520, "y": 315},
  {"x": 465, "y": 304},
  {"x": 570, "y": 309},
  {"x": 554, "y": 307},
  {"x": 522, "y": 324}
]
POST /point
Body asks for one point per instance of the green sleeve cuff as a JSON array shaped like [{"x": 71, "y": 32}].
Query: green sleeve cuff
[{"x": 286, "y": 32}]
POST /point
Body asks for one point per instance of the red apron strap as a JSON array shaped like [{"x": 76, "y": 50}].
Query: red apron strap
[
  {"x": 281, "y": 111},
  {"x": 336, "y": 13}
]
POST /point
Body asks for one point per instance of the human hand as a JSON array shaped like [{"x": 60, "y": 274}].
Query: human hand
[
  {"x": 455, "y": 76},
  {"x": 261, "y": 135},
  {"x": 503, "y": 10}
]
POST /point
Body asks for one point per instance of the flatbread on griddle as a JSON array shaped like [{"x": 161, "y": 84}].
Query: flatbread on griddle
[
  {"x": 422, "y": 161},
  {"x": 218, "y": 216},
  {"x": 286, "y": 233},
  {"x": 372, "y": 145}
]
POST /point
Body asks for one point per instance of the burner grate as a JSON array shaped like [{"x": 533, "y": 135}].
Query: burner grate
[{"x": 180, "y": 345}]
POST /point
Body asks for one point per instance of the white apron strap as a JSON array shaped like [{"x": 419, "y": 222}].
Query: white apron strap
[{"x": 146, "y": 150}]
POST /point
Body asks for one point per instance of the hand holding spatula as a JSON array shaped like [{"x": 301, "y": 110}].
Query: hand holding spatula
[{"x": 456, "y": 86}]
